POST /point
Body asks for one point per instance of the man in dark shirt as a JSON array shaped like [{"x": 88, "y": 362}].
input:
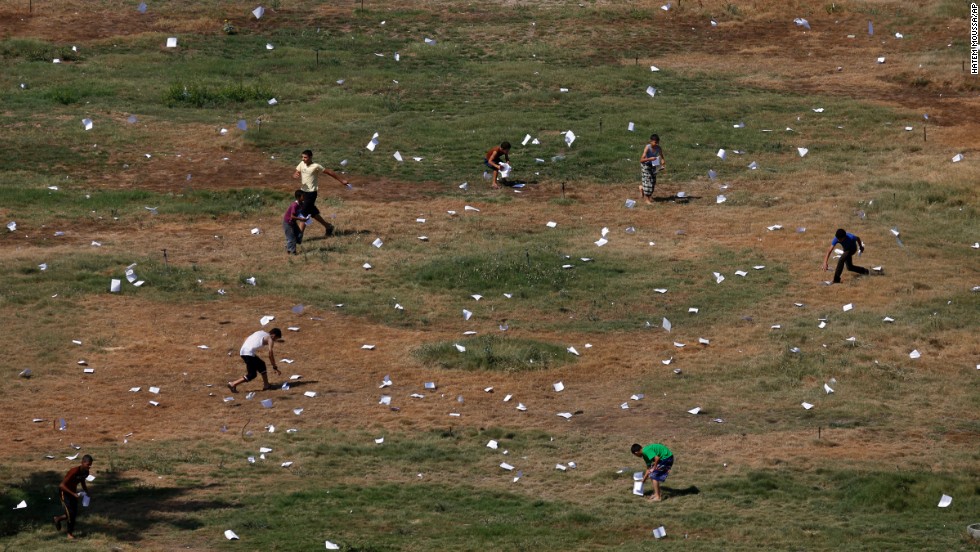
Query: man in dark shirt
[
  {"x": 69, "y": 494},
  {"x": 851, "y": 244}
]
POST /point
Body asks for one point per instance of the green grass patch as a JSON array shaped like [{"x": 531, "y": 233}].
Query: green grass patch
[
  {"x": 201, "y": 95},
  {"x": 493, "y": 353},
  {"x": 440, "y": 89},
  {"x": 529, "y": 271},
  {"x": 70, "y": 202}
]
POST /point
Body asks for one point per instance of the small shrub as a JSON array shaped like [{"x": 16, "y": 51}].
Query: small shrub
[
  {"x": 64, "y": 95},
  {"x": 494, "y": 353},
  {"x": 204, "y": 96},
  {"x": 73, "y": 94}
]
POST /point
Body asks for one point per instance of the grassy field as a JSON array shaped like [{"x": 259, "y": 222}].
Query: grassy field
[{"x": 186, "y": 172}]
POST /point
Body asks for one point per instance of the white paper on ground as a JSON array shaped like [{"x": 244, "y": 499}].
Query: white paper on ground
[
  {"x": 569, "y": 138},
  {"x": 945, "y": 501},
  {"x": 230, "y": 535}
]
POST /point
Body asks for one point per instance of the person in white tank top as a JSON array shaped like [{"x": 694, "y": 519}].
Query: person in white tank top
[{"x": 253, "y": 364}]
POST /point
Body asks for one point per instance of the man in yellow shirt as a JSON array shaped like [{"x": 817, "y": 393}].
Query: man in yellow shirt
[{"x": 310, "y": 173}]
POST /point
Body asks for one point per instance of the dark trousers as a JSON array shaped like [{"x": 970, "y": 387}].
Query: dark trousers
[
  {"x": 71, "y": 510},
  {"x": 845, "y": 260},
  {"x": 309, "y": 204}
]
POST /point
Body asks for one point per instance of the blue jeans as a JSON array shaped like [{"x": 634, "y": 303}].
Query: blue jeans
[{"x": 293, "y": 236}]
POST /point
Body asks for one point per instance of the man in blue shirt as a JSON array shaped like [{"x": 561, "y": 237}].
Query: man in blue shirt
[{"x": 851, "y": 244}]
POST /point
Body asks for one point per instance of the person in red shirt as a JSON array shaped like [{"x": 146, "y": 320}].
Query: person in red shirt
[
  {"x": 294, "y": 222},
  {"x": 70, "y": 495}
]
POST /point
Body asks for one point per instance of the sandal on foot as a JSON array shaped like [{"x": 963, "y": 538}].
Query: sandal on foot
[{"x": 232, "y": 387}]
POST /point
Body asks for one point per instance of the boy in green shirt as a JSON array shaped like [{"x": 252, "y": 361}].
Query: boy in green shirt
[{"x": 659, "y": 460}]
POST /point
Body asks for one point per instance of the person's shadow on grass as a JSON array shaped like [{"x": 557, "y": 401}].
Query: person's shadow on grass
[
  {"x": 123, "y": 507},
  {"x": 675, "y": 199},
  {"x": 336, "y": 234},
  {"x": 294, "y": 384},
  {"x": 669, "y": 492}
]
